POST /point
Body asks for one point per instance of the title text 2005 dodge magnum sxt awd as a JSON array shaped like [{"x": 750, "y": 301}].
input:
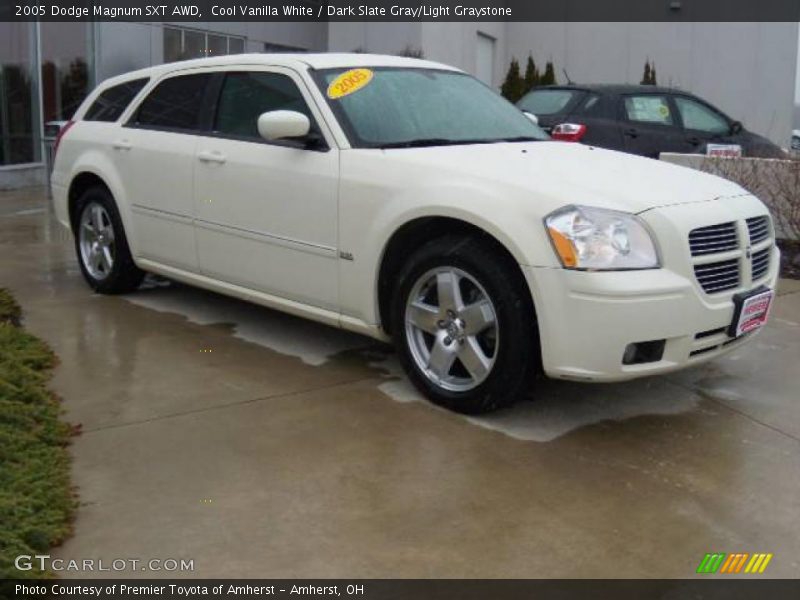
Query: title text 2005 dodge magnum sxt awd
[{"x": 403, "y": 198}]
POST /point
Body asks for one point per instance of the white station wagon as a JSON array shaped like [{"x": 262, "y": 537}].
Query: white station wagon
[{"x": 405, "y": 200}]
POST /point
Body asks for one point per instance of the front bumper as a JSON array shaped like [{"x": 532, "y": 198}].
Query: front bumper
[{"x": 588, "y": 319}]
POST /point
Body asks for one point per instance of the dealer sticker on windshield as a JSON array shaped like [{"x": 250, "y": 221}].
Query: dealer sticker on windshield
[
  {"x": 752, "y": 312},
  {"x": 349, "y": 82}
]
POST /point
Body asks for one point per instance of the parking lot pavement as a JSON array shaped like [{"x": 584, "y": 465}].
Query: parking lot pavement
[{"x": 261, "y": 445}]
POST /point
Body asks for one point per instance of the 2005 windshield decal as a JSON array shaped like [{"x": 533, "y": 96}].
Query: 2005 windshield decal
[{"x": 348, "y": 82}]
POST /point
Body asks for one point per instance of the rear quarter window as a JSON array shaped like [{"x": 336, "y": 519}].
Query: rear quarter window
[
  {"x": 111, "y": 103},
  {"x": 175, "y": 103},
  {"x": 592, "y": 106}
]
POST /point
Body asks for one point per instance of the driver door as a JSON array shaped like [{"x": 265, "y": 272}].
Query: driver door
[
  {"x": 702, "y": 124},
  {"x": 266, "y": 212}
]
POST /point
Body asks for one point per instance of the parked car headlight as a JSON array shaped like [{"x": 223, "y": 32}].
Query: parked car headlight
[{"x": 600, "y": 239}]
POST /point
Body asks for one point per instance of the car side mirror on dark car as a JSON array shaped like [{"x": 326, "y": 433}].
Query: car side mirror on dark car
[{"x": 736, "y": 127}]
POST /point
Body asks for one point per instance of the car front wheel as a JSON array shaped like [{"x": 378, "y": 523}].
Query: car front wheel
[{"x": 463, "y": 326}]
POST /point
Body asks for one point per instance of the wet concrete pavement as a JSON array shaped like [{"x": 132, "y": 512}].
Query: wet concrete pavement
[{"x": 261, "y": 445}]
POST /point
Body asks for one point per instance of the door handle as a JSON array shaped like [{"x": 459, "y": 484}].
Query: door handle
[
  {"x": 631, "y": 132},
  {"x": 694, "y": 141},
  {"x": 211, "y": 157},
  {"x": 121, "y": 145}
]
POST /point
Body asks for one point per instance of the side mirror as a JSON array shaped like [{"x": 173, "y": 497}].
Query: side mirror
[
  {"x": 279, "y": 124},
  {"x": 532, "y": 117},
  {"x": 736, "y": 127}
]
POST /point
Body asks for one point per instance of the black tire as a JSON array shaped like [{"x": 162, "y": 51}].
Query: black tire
[
  {"x": 516, "y": 348},
  {"x": 123, "y": 276}
]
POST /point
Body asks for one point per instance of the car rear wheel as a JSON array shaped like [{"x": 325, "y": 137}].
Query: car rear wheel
[
  {"x": 463, "y": 327},
  {"x": 101, "y": 245}
]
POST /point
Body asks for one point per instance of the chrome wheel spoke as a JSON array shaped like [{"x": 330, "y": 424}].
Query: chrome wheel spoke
[
  {"x": 441, "y": 359},
  {"x": 473, "y": 358},
  {"x": 97, "y": 259},
  {"x": 107, "y": 259},
  {"x": 424, "y": 316},
  {"x": 477, "y": 317},
  {"x": 448, "y": 290},
  {"x": 97, "y": 217}
]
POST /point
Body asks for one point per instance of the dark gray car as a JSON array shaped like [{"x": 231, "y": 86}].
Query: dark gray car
[{"x": 639, "y": 119}]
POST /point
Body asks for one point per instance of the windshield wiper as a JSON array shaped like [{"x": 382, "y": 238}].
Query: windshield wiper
[{"x": 422, "y": 142}]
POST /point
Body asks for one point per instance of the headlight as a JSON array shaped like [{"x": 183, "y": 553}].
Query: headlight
[{"x": 596, "y": 238}]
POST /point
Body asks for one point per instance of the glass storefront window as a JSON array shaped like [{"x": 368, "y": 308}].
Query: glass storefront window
[
  {"x": 65, "y": 69},
  {"x": 183, "y": 44},
  {"x": 19, "y": 138},
  {"x": 235, "y": 45},
  {"x": 194, "y": 44},
  {"x": 173, "y": 41},
  {"x": 217, "y": 45}
]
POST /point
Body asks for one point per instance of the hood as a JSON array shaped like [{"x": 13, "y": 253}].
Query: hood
[{"x": 573, "y": 174}]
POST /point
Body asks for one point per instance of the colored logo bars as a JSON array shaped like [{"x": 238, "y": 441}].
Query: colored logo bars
[{"x": 740, "y": 562}]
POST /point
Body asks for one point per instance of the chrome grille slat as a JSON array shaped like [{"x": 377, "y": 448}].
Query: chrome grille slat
[
  {"x": 758, "y": 228},
  {"x": 760, "y": 263},
  {"x": 719, "y": 241},
  {"x": 713, "y": 239},
  {"x": 719, "y": 276},
  {"x": 722, "y": 279}
]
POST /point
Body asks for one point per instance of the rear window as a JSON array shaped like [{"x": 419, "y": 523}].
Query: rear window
[
  {"x": 175, "y": 103},
  {"x": 547, "y": 102},
  {"x": 111, "y": 103}
]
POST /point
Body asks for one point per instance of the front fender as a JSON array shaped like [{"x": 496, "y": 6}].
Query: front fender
[{"x": 367, "y": 226}]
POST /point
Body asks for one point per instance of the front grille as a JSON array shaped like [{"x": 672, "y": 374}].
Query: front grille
[
  {"x": 718, "y": 276},
  {"x": 760, "y": 263},
  {"x": 758, "y": 228},
  {"x": 713, "y": 239},
  {"x": 732, "y": 240}
]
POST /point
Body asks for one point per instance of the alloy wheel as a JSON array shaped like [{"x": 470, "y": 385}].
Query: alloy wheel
[
  {"x": 451, "y": 329},
  {"x": 97, "y": 244}
]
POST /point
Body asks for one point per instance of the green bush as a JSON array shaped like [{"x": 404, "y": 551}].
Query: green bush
[
  {"x": 36, "y": 498},
  {"x": 513, "y": 87}
]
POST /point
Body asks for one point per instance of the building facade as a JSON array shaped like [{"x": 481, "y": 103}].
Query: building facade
[{"x": 747, "y": 69}]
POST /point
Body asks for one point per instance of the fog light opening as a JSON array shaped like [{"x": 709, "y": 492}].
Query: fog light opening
[{"x": 643, "y": 352}]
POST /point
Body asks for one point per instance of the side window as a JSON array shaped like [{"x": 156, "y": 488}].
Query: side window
[
  {"x": 175, "y": 103},
  {"x": 649, "y": 109},
  {"x": 591, "y": 106},
  {"x": 700, "y": 117},
  {"x": 111, "y": 103},
  {"x": 245, "y": 96}
]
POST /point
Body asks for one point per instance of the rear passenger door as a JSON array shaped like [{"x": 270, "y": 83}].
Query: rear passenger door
[
  {"x": 156, "y": 154},
  {"x": 267, "y": 212},
  {"x": 650, "y": 125},
  {"x": 597, "y": 112}
]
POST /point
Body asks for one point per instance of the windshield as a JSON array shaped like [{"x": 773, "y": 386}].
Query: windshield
[{"x": 404, "y": 107}]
